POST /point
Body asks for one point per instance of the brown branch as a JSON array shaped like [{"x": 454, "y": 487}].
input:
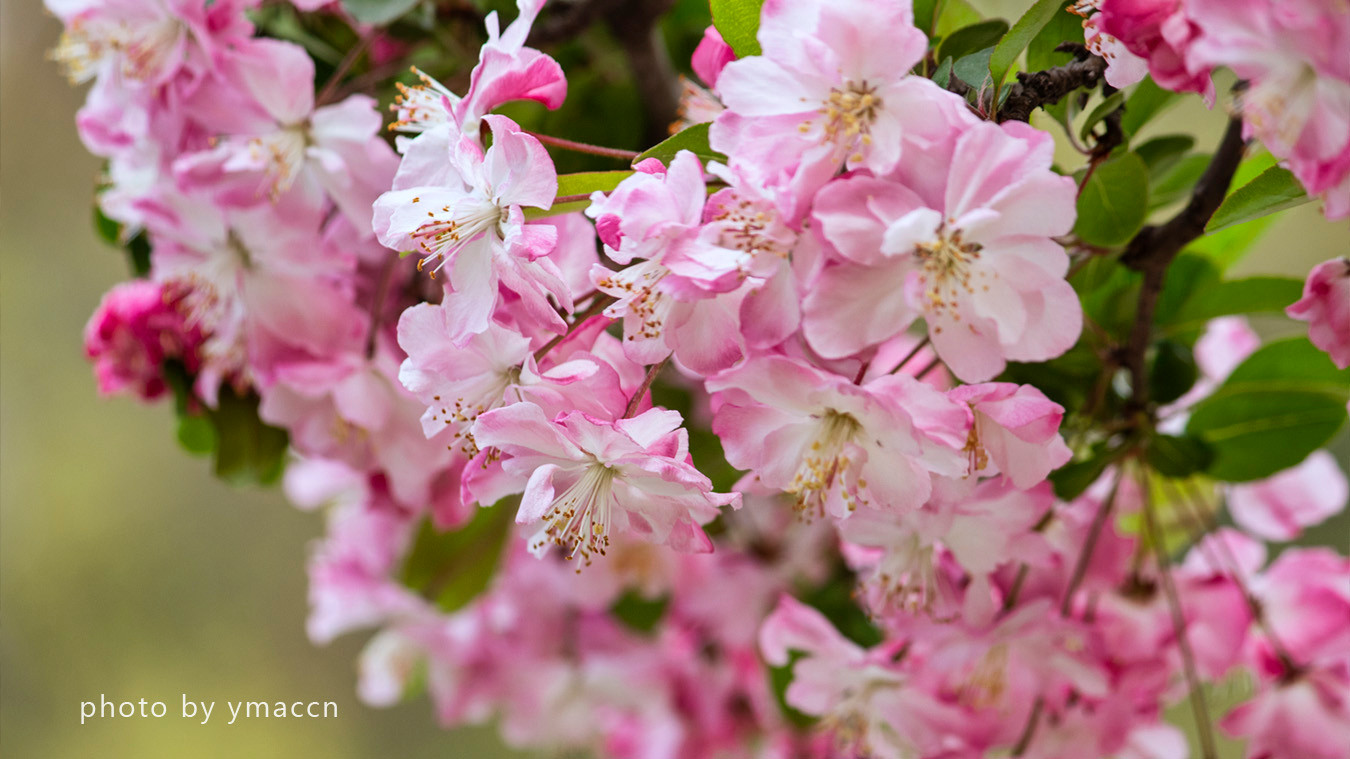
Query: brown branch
[
  {"x": 641, "y": 392},
  {"x": 637, "y": 28},
  {"x": 1154, "y": 247},
  {"x": 1035, "y": 89}
]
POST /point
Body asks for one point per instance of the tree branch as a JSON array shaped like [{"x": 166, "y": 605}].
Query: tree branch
[
  {"x": 1040, "y": 88},
  {"x": 1034, "y": 89},
  {"x": 1154, "y": 247}
]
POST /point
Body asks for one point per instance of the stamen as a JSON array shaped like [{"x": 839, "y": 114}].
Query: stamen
[{"x": 578, "y": 520}]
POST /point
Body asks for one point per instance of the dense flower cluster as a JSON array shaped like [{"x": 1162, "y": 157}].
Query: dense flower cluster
[{"x": 841, "y": 296}]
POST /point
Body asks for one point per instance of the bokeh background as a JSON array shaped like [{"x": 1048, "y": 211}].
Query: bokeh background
[{"x": 125, "y": 569}]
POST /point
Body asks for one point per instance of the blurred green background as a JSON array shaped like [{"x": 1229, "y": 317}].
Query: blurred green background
[{"x": 125, "y": 569}]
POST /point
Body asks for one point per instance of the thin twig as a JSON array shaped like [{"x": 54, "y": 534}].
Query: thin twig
[
  {"x": 908, "y": 356},
  {"x": 582, "y": 147},
  {"x": 377, "y": 307},
  {"x": 1197, "y": 693},
  {"x": 1024, "y": 740},
  {"x": 646, "y": 385},
  {"x": 1089, "y": 545},
  {"x": 343, "y": 66},
  {"x": 600, "y": 303}
]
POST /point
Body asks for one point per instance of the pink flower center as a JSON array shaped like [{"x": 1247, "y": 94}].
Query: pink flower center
[
  {"x": 452, "y": 228},
  {"x": 421, "y": 106},
  {"x": 578, "y": 520},
  {"x": 947, "y": 269},
  {"x": 849, "y": 113},
  {"x": 823, "y": 463}
]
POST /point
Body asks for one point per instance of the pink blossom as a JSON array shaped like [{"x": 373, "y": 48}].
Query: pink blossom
[
  {"x": 861, "y": 693},
  {"x": 144, "y": 42},
  {"x": 831, "y": 89},
  {"x": 644, "y": 223},
  {"x": 1326, "y": 307},
  {"x": 954, "y": 240},
  {"x": 584, "y": 478},
  {"x": 493, "y": 369},
  {"x": 133, "y": 331},
  {"x": 1304, "y": 717},
  {"x": 246, "y": 280},
  {"x": 1279, "y": 507},
  {"x": 1298, "y": 99},
  {"x": 834, "y": 445},
  {"x": 288, "y": 144},
  {"x": 711, "y": 56},
  {"x": 1161, "y": 32},
  {"x": 1015, "y": 431},
  {"x": 472, "y": 222},
  {"x": 506, "y": 71}
]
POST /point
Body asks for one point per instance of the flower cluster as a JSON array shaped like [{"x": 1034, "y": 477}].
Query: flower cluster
[{"x": 476, "y": 374}]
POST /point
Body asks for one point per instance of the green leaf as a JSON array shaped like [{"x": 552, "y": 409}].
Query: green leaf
[
  {"x": 1175, "y": 182},
  {"x": 1238, "y": 296},
  {"x": 452, "y": 567},
  {"x": 377, "y": 12},
  {"x": 1020, "y": 35},
  {"x": 925, "y": 14},
  {"x": 1171, "y": 372},
  {"x": 1186, "y": 277},
  {"x": 1062, "y": 27},
  {"x": 955, "y": 14},
  {"x": 196, "y": 434},
  {"x": 1274, "y": 190},
  {"x": 1161, "y": 153},
  {"x": 1113, "y": 204},
  {"x": 587, "y": 182},
  {"x": 1144, "y": 102},
  {"x": 1070, "y": 480},
  {"x": 738, "y": 23},
  {"x": 694, "y": 139},
  {"x": 249, "y": 450},
  {"x": 1103, "y": 109},
  {"x": 638, "y": 612},
  {"x": 1283, "y": 402},
  {"x": 973, "y": 38},
  {"x": 108, "y": 230},
  {"x": 1178, "y": 456},
  {"x": 1230, "y": 245},
  {"x": 943, "y": 75},
  {"x": 973, "y": 69}
]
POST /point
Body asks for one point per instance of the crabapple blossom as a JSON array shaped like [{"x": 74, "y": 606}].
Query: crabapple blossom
[
  {"x": 1326, "y": 307},
  {"x": 977, "y": 264},
  {"x": 1279, "y": 507},
  {"x": 834, "y": 445},
  {"x": 507, "y": 70},
  {"x": 830, "y": 90},
  {"x": 585, "y": 478},
  {"x": 283, "y": 142},
  {"x": 472, "y": 222},
  {"x": 133, "y": 331},
  {"x": 1299, "y": 84},
  {"x": 1015, "y": 431}
]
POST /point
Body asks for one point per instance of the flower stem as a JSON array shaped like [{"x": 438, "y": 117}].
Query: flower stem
[
  {"x": 641, "y": 392},
  {"x": 582, "y": 147},
  {"x": 1197, "y": 693},
  {"x": 600, "y": 303}
]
